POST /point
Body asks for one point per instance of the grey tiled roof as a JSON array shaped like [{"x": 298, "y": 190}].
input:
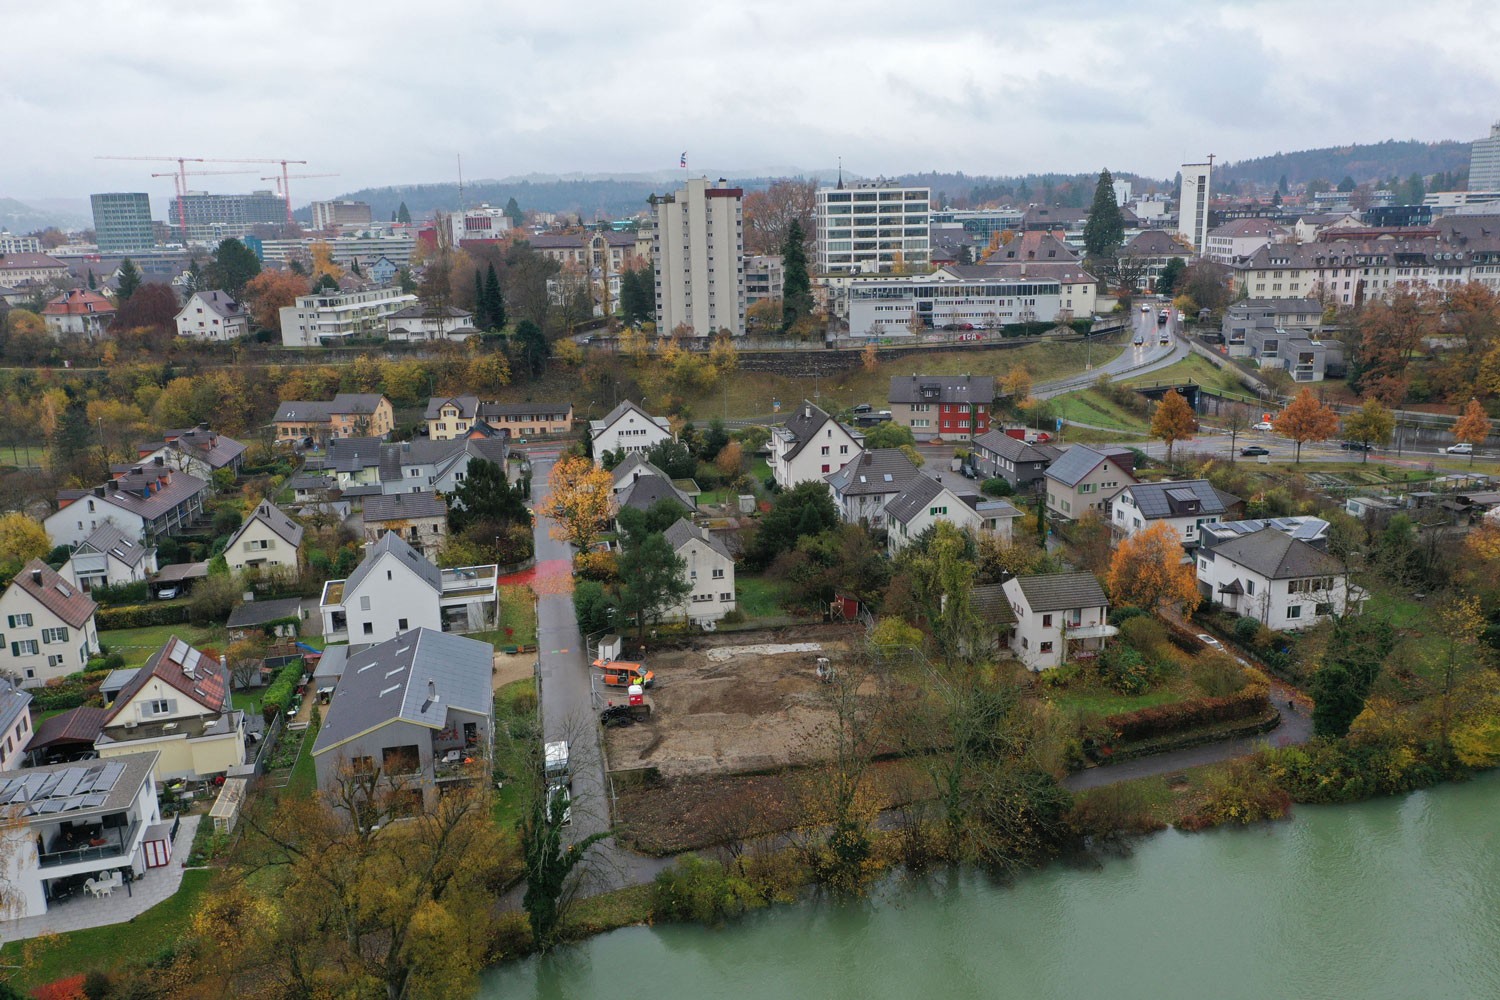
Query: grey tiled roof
[
  {"x": 1005, "y": 446},
  {"x": 917, "y": 494},
  {"x": 109, "y": 538},
  {"x": 1277, "y": 555},
  {"x": 990, "y": 603},
  {"x": 683, "y": 531},
  {"x": 974, "y": 390},
  {"x": 274, "y": 518},
  {"x": 646, "y": 491},
  {"x": 468, "y": 406},
  {"x": 393, "y": 544},
  {"x": 402, "y": 506},
  {"x": 13, "y": 701},
  {"x": 353, "y": 454},
  {"x": 415, "y": 677},
  {"x": 876, "y": 471},
  {"x": 1062, "y": 591},
  {"x": 1156, "y": 500}
]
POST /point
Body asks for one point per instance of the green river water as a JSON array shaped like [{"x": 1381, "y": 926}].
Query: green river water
[{"x": 1398, "y": 898}]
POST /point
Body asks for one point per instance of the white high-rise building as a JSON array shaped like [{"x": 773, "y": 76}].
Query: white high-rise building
[
  {"x": 1192, "y": 205},
  {"x": 698, "y": 248},
  {"x": 1484, "y": 162},
  {"x": 873, "y": 227}
]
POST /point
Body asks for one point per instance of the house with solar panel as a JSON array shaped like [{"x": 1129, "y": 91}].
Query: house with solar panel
[
  {"x": 86, "y": 823},
  {"x": 409, "y": 718},
  {"x": 178, "y": 705},
  {"x": 1184, "y": 505},
  {"x": 47, "y": 626}
]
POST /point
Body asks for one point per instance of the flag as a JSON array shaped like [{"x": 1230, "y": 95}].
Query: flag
[{"x": 683, "y": 163}]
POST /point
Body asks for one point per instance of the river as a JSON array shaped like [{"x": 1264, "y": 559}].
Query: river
[{"x": 1397, "y": 898}]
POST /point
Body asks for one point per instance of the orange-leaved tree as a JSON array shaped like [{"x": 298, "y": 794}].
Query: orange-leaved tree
[
  {"x": 1473, "y": 427},
  {"x": 1148, "y": 571},
  {"x": 271, "y": 291},
  {"x": 580, "y": 498},
  {"x": 1306, "y": 418},
  {"x": 1173, "y": 420}
]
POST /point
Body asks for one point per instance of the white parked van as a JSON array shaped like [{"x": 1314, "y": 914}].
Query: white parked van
[{"x": 555, "y": 767}]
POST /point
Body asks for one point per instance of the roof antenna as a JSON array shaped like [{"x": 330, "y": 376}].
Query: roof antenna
[{"x": 841, "y": 174}]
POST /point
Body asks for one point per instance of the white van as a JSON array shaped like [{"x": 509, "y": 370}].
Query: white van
[{"x": 555, "y": 767}]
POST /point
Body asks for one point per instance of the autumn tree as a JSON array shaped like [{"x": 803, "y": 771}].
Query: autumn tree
[
  {"x": 1471, "y": 328},
  {"x": 1473, "y": 427},
  {"x": 580, "y": 499},
  {"x": 1390, "y": 333},
  {"x": 1371, "y": 424},
  {"x": 730, "y": 461},
  {"x": 322, "y": 262},
  {"x": 769, "y": 214},
  {"x": 1173, "y": 420},
  {"x": 1148, "y": 571},
  {"x": 1306, "y": 418},
  {"x": 1015, "y": 385},
  {"x": 22, "y": 539},
  {"x": 268, "y": 293},
  {"x": 153, "y": 306}
]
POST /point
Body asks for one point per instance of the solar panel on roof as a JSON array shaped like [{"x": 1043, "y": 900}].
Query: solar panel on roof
[
  {"x": 174, "y": 651},
  {"x": 94, "y": 799},
  {"x": 190, "y": 661},
  {"x": 69, "y": 782},
  {"x": 111, "y": 775},
  {"x": 50, "y": 806}
]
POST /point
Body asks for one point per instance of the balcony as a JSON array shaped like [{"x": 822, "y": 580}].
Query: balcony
[{"x": 94, "y": 844}]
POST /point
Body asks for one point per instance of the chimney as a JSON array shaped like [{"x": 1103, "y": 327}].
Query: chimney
[
  {"x": 432, "y": 694},
  {"x": 99, "y": 491},
  {"x": 36, "y": 577}
]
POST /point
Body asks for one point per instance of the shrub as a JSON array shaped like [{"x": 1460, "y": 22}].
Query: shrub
[
  {"x": 1246, "y": 630},
  {"x": 1125, "y": 808},
  {"x": 1119, "y": 616},
  {"x": 134, "y": 592},
  {"x": 281, "y": 690},
  {"x": 700, "y": 889},
  {"x": 1124, "y": 669},
  {"x": 1217, "y": 675},
  {"x": 599, "y": 566},
  {"x": 996, "y": 487},
  {"x": 140, "y": 616},
  {"x": 1161, "y": 720},
  {"x": 1241, "y": 792}
]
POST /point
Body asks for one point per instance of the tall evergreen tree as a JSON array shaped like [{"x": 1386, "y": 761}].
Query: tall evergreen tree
[
  {"x": 130, "y": 280},
  {"x": 1105, "y": 230},
  {"x": 403, "y": 215},
  {"x": 796, "y": 286},
  {"x": 481, "y": 318},
  {"x": 533, "y": 345},
  {"x": 494, "y": 301},
  {"x": 74, "y": 435},
  {"x": 93, "y": 285},
  {"x": 233, "y": 266},
  {"x": 513, "y": 213}
]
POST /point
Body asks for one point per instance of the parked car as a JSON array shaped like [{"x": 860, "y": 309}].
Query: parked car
[
  {"x": 1254, "y": 450},
  {"x": 1264, "y": 425},
  {"x": 1462, "y": 448},
  {"x": 1211, "y": 642},
  {"x": 166, "y": 593},
  {"x": 1356, "y": 446},
  {"x": 560, "y": 792}
]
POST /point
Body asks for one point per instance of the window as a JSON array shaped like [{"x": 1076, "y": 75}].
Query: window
[
  {"x": 936, "y": 511},
  {"x": 1045, "y": 647},
  {"x": 362, "y": 765},
  {"x": 1250, "y": 587},
  {"x": 55, "y": 660},
  {"x": 159, "y": 706},
  {"x": 26, "y": 647},
  {"x": 401, "y": 624},
  {"x": 51, "y": 635},
  {"x": 400, "y": 760},
  {"x": 825, "y": 450},
  {"x": 369, "y": 628},
  {"x": 1295, "y": 611},
  {"x": 726, "y": 596},
  {"x": 719, "y": 574},
  {"x": 364, "y": 604},
  {"x": 18, "y": 621},
  {"x": 1046, "y": 621},
  {"x": 1086, "y": 487}
]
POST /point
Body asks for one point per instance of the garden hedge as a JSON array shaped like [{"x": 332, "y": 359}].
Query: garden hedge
[
  {"x": 140, "y": 616},
  {"x": 1160, "y": 720},
  {"x": 282, "y": 690}
]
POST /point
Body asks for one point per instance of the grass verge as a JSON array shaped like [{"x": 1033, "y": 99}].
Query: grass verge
[
  {"x": 758, "y": 597},
  {"x": 135, "y": 645}
]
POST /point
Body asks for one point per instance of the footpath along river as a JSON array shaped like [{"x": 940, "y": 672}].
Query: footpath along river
[{"x": 1397, "y": 898}]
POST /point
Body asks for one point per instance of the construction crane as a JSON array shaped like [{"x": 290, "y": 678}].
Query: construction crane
[
  {"x": 287, "y": 190},
  {"x": 182, "y": 162}
]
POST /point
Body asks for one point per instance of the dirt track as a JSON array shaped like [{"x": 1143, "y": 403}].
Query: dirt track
[{"x": 743, "y": 709}]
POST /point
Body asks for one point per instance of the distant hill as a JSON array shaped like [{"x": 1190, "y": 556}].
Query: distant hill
[
  {"x": 1372, "y": 162},
  {"x": 20, "y": 218}
]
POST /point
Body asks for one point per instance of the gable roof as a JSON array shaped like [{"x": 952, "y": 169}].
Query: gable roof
[
  {"x": 253, "y": 613},
  {"x": 683, "y": 531},
  {"x": 914, "y": 496},
  {"x": 633, "y": 467},
  {"x": 1012, "y": 449},
  {"x": 1155, "y": 500},
  {"x": 392, "y": 544},
  {"x": 874, "y": 471},
  {"x": 29, "y": 262},
  {"x": 353, "y": 454},
  {"x": 219, "y": 302},
  {"x": 215, "y": 449},
  {"x": 646, "y": 491},
  {"x": 1062, "y": 591},
  {"x": 468, "y": 406},
  {"x": 1277, "y": 556},
  {"x": 1078, "y": 461},
  {"x": 625, "y": 408},
  {"x": 130, "y": 491},
  {"x": 274, "y": 518},
  {"x": 803, "y": 425},
  {"x": 989, "y": 602},
  {"x": 13, "y": 701},
  {"x": 1154, "y": 243},
  {"x": 321, "y": 411},
  {"x": 201, "y": 679},
  {"x": 69, "y": 603},
  {"x": 972, "y": 390},
  {"x": 399, "y": 506},
  {"x": 79, "y": 302},
  {"x": 415, "y": 677},
  {"x": 108, "y": 538},
  {"x": 81, "y": 725}
]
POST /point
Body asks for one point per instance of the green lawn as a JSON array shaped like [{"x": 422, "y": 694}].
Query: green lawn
[
  {"x": 1101, "y": 702},
  {"x": 1090, "y": 406},
  {"x": 517, "y": 613},
  {"x": 136, "y": 645},
  {"x": 759, "y": 597},
  {"x": 304, "y": 780},
  {"x": 247, "y": 701},
  {"x": 1192, "y": 368},
  {"x": 109, "y": 947},
  {"x": 1414, "y": 620}
]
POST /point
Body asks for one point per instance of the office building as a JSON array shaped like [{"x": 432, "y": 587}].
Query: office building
[
  {"x": 214, "y": 217},
  {"x": 11, "y": 243},
  {"x": 482, "y": 223},
  {"x": 340, "y": 214},
  {"x": 765, "y": 277},
  {"x": 122, "y": 222},
  {"x": 1192, "y": 206},
  {"x": 873, "y": 227},
  {"x": 697, "y": 248},
  {"x": 1484, "y": 162}
]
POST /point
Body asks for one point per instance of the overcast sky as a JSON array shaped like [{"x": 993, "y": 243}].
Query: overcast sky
[{"x": 386, "y": 92}]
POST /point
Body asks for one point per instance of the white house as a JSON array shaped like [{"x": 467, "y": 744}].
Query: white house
[
  {"x": 212, "y": 315},
  {"x": 1084, "y": 480},
  {"x": 1186, "y": 505},
  {"x": 90, "y": 818},
  {"x": 810, "y": 445},
  {"x": 267, "y": 540},
  {"x": 922, "y": 503},
  {"x": 1059, "y": 617},
  {"x": 199, "y": 451},
  {"x": 80, "y": 312},
  {"x": 393, "y": 590},
  {"x": 178, "y": 705},
  {"x": 1275, "y": 578},
  {"x": 325, "y": 319},
  {"x": 710, "y": 570},
  {"x": 147, "y": 502},
  {"x": 48, "y": 624},
  {"x": 15, "y": 723},
  {"x": 423, "y": 322},
  {"x": 627, "y": 428},
  {"x": 864, "y": 486},
  {"x": 109, "y": 557}
]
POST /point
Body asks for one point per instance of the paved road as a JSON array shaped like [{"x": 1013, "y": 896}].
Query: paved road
[{"x": 1149, "y": 356}]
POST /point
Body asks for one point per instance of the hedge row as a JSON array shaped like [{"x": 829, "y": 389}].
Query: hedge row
[
  {"x": 1159, "y": 720},
  {"x": 280, "y": 693},
  {"x": 140, "y": 616}
]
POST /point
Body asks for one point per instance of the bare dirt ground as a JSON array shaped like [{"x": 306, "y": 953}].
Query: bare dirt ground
[
  {"x": 512, "y": 667},
  {"x": 731, "y": 704}
]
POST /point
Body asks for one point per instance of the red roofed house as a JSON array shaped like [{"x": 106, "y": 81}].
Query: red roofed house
[
  {"x": 177, "y": 704},
  {"x": 78, "y": 311},
  {"x": 46, "y": 626}
]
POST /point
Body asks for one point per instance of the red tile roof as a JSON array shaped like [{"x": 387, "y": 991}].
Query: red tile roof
[
  {"x": 79, "y": 302},
  {"x": 55, "y": 594},
  {"x": 187, "y": 670}
]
